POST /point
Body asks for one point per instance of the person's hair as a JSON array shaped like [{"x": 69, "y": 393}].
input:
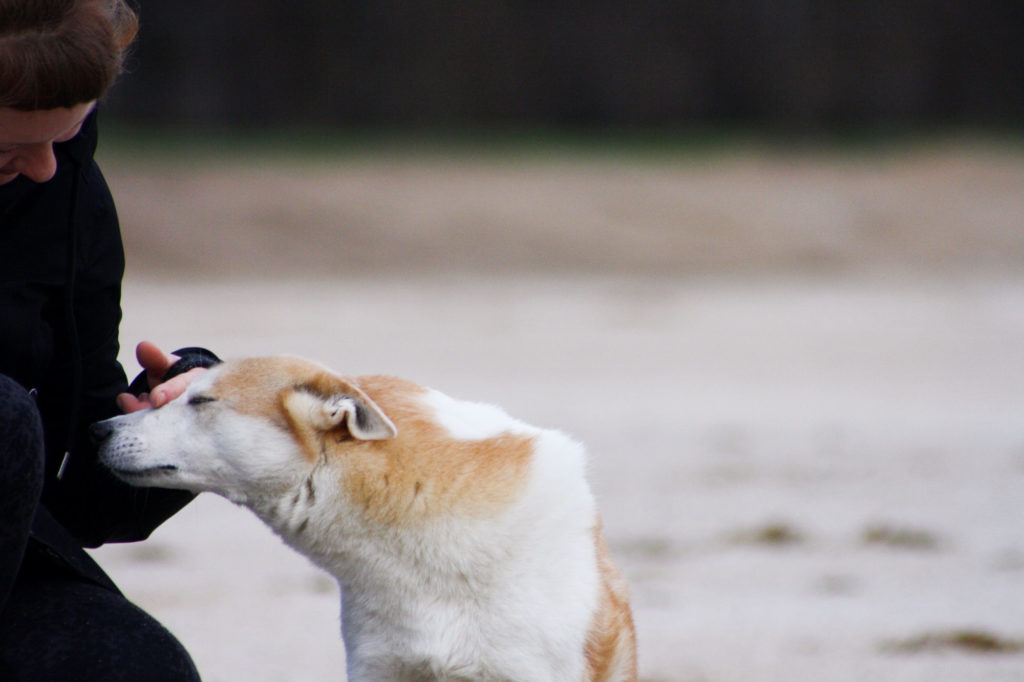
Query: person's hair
[{"x": 61, "y": 53}]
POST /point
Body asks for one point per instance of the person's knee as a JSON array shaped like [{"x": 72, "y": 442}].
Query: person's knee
[
  {"x": 21, "y": 440},
  {"x": 18, "y": 411},
  {"x": 89, "y": 633}
]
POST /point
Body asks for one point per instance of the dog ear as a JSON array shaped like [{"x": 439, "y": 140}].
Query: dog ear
[
  {"x": 327, "y": 407},
  {"x": 366, "y": 421}
]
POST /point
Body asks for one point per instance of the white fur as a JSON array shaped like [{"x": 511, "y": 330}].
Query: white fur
[{"x": 466, "y": 420}]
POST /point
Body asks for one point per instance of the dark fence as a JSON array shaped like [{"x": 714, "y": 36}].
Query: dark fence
[{"x": 785, "y": 63}]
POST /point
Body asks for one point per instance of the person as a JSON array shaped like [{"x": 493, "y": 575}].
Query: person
[{"x": 61, "y": 264}]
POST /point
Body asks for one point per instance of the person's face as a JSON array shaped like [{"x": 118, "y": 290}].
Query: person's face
[{"x": 27, "y": 139}]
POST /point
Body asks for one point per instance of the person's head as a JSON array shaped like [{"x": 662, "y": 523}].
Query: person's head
[{"x": 57, "y": 57}]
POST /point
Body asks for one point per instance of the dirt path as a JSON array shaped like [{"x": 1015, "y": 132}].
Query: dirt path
[{"x": 950, "y": 205}]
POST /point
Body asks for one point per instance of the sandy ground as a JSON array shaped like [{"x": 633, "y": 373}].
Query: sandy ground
[{"x": 810, "y": 462}]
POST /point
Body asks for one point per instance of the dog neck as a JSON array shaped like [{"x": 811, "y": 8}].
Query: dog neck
[{"x": 424, "y": 601}]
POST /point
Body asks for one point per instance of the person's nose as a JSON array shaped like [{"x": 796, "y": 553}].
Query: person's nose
[{"x": 37, "y": 162}]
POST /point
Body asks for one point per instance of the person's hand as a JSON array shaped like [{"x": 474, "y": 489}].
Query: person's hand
[{"x": 156, "y": 363}]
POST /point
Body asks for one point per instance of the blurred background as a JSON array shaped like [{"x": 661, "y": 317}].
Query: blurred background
[
  {"x": 788, "y": 64},
  {"x": 835, "y": 123},
  {"x": 764, "y": 259}
]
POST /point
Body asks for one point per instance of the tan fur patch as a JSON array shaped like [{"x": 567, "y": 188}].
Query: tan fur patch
[
  {"x": 260, "y": 387},
  {"x": 611, "y": 642},
  {"x": 420, "y": 474},
  {"x": 424, "y": 473},
  {"x": 253, "y": 386}
]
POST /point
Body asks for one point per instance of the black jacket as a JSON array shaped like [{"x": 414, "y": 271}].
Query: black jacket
[{"x": 61, "y": 263}]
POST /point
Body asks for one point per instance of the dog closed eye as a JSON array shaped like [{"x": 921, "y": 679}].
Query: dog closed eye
[{"x": 200, "y": 400}]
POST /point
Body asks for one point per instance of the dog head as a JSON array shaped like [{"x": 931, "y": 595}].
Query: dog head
[{"x": 246, "y": 427}]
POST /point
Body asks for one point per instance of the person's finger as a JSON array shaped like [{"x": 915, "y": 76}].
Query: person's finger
[
  {"x": 172, "y": 388},
  {"x": 154, "y": 360},
  {"x": 129, "y": 403}
]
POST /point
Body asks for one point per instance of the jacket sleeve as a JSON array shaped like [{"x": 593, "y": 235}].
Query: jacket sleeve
[{"x": 93, "y": 505}]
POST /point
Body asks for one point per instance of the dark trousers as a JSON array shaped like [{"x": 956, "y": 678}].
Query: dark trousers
[{"x": 56, "y": 625}]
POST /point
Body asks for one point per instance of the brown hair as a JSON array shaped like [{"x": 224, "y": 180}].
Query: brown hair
[{"x": 60, "y": 53}]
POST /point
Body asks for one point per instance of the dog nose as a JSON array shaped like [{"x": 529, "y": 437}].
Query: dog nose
[{"x": 100, "y": 431}]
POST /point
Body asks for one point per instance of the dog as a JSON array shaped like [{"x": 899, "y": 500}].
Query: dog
[{"x": 466, "y": 543}]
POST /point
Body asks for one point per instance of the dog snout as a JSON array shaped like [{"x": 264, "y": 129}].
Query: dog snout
[{"x": 101, "y": 431}]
